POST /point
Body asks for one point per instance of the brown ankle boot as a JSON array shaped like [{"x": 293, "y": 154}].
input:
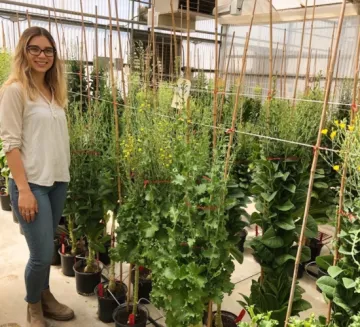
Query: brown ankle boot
[
  {"x": 35, "y": 317},
  {"x": 53, "y": 309}
]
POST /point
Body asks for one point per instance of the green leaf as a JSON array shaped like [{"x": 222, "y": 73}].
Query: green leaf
[
  {"x": 288, "y": 205},
  {"x": 321, "y": 185},
  {"x": 291, "y": 188},
  {"x": 268, "y": 197},
  {"x": 311, "y": 230},
  {"x": 238, "y": 255},
  {"x": 200, "y": 189},
  {"x": 301, "y": 305},
  {"x": 283, "y": 259},
  {"x": 286, "y": 224},
  {"x": 271, "y": 240},
  {"x": 256, "y": 219},
  {"x": 325, "y": 261},
  {"x": 334, "y": 271},
  {"x": 327, "y": 285},
  {"x": 151, "y": 230},
  {"x": 348, "y": 283},
  {"x": 179, "y": 180}
]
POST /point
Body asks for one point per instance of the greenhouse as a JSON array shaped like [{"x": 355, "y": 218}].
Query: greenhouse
[{"x": 180, "y": 163}]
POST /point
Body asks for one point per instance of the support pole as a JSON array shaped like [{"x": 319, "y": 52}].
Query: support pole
[
  {"x": 314, "y": 163},
  {"x": 309, "y": 52}
]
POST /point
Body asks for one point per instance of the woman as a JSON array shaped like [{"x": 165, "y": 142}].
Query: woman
[{"x": 33, "y": 130}]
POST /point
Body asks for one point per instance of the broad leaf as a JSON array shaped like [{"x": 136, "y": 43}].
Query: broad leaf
[
  {"x": 334, "y": 271},
  {"x": 301, "y": 305},
  {"x": 286, "y": 224},
  {"x": 288, "y": 205},
  {"x": 348, "y": 283},
  {"x": 268, "y": 197},
  {"x": 327, "y": 285},
  {"x": 321, "y": 185},
  {"x": 271, "y": 240},
  {"x": 256, "y": 219},
  {"x": 283, "y": 259},
  {"x": 238, "y": 255},
  {"x": 291, "y": 188}
]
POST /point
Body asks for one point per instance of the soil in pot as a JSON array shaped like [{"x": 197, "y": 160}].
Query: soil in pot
[
  {"x": 106, "y": 303},
  {"x": 228, "y": 319},
  {"x": 5, "y": 202},
  {"x": 121, "y": 316},
  {"x": 145, "y": 284},
  {"x": 86, "y": 282},
  {"x": 56, "y": 260}
]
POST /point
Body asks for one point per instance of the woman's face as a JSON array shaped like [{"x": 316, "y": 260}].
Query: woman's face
[{"x": 40, "y": 61}]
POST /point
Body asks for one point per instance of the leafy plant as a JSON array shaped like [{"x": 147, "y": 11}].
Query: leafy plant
[
  {"x": 5, "y": 65},
  {"x": 4, "y": 170}
]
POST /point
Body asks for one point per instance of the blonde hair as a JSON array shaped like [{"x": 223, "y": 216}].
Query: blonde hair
[{"x": 21, "y": 70}]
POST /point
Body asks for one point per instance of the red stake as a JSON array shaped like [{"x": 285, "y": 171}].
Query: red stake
[
  {"x": 240, "y": 316},
  {"x": 131, "y": 320},
  {"x": 63, "y": 248},
  {"x": 101, "y": 290}
]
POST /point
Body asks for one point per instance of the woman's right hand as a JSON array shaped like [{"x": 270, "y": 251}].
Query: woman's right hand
[{"x": 28, "y": 206}]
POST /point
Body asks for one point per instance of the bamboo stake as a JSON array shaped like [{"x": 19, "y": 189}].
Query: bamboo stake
[
  {"x": 120, "y": 53},
  {"x": 171, "y": 65},
  {"x": 315, "y": 62},
  {"x": 96, "y": 57},
  {"x": 270, "y": 55},
  {"x": 282, "y": 65},
  {"x": 275, "y": 57},
  {"x": 18, "y": 24},
  {"x": 300, "y": 55},
  {"x": 3, "y": 34},
  {"x": 309, "y": 52},
  {"x": 153, "y": 47},
  {"x": 49, "y": 19},
  {"x": 210, "y": 315},
  {"x": 188, "y": 64},
  {"x": 86, "y": 53},
  {"x": 226, "y": 75},
  {"x": 314, "y": 163},
  {"x": 57, "y": 27},
  {"x": 28, "y": 18},
  {"x": 81, "y": 72},
  {"x": 162, "y": 59},
  {"x": 285, "y": 75},
  {"x": 117, "y": 144},
  {"x": 336, "y": 77},
  {"x": 344, "y": 172},
  {"x": 238, "y": 91},
  {"x": 215, "y": 109},
  {"x": 175, "y": 40},
  {"x": 330, "y": 51}
]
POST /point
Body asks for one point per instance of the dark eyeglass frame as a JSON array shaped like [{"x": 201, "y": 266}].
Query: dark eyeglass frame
[{"x": 36, "y": 48}]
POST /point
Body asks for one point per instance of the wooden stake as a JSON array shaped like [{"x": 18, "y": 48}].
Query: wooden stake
[
  {"x": 120, "y": 53},
  {"x": 276, "y": 52},
  {"x": 28, "y": 18},
  {"x": 210, "y": 315},
  {"x": 3, "y": 35},
  {"x": 96, "y": 57},
  {"x": 226, "y": 76},
  {"x": 153, "y": 49},
  {"x": 336, "y": 77},
  {"x": 162, "y": 59},
  {"x": 238, "y": 90},
  {"x": 315, "y": 62},
  {"x": 330, "y": 51},
  {"x": 86, "y": 53},
  {"x": 49, "y": 19},
  {"x": 116, "y": 121},
  {"x": 188, "y": 63},
  {"x": 309, "y": 52},
  {"x": 282, "y": 65},
  {"x": 285, "y": 76},
  {"x": 215, "y": 109},
  {"x": 344, "y": 172},
  {"x": 270, "y": 53},
  {"x": 314, "y": 163},
  {"x": 300, "y": 56},
  {"x": 57, "y": 28},
  {"x": 175, "y": 40}
]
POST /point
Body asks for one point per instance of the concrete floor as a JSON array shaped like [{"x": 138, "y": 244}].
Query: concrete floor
[{"x": 13, "y": 257}]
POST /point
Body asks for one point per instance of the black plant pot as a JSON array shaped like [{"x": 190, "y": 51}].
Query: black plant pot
[
  {"x": 300, "y": 271},
  {"x": 104, "y": 257},
  {"x": 315, "y": 248},
  {"x": 321, "y": 273},
  {"x": 67, "y": 263},
  {"x": 145, "y": 285},
  {"x": 121, "y": 316},
  {"x": 86, "y": 282},
  {"x": 228, "y": 319},
  {"x": 107, "y": 304},
  {"x": 56, "y": 260},
  {"x": 5, "y": 202},
  {"x": 243, "y": 234}
]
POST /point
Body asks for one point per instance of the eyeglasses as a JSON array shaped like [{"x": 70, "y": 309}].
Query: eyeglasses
[{"x": 36, "y": 51}]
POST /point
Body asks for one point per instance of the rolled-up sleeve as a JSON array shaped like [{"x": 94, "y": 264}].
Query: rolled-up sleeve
[{"x": 11, "y": 116}]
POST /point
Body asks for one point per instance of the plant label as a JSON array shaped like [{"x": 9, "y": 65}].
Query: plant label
[{"x": 181, "y": 93}]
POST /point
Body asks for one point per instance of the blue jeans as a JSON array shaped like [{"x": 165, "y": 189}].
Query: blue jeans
[{"x": 40, "y": 234}]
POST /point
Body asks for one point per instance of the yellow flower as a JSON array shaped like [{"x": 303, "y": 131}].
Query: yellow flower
[
  {"x": 343, "y": 125},
  {"x": 332, "y": 135},
  {"x": 324, "y": 131},
  {"x": 189, "y": 121},
  {"x": 141, "y": 129},
  {"x": 336, "y": 122},
  {"x": 351, "y": 128},
  {"x": 336, "y": 168},
  {"x": 358, "y": 168},
  {"x": 140, "y": 150}
]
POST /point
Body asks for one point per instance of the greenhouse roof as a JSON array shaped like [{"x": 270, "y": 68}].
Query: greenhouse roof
[{"x": 286, "y": 11}]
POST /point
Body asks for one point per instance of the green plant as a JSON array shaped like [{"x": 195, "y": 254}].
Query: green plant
[
  {"x": 5, "y": 65},
  {"x": 4, "y": 170},
  {"x": 259, "y": 320}
]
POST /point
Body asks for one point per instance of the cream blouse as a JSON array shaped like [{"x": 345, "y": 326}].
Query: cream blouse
[{"x": 39, "y": 129}]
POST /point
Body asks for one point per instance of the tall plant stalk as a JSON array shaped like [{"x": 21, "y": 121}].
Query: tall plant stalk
[
  {"x": 218, "y": 322},
  {"x": 136, "y": 290},
  {"x": 72, "y": 235}
]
